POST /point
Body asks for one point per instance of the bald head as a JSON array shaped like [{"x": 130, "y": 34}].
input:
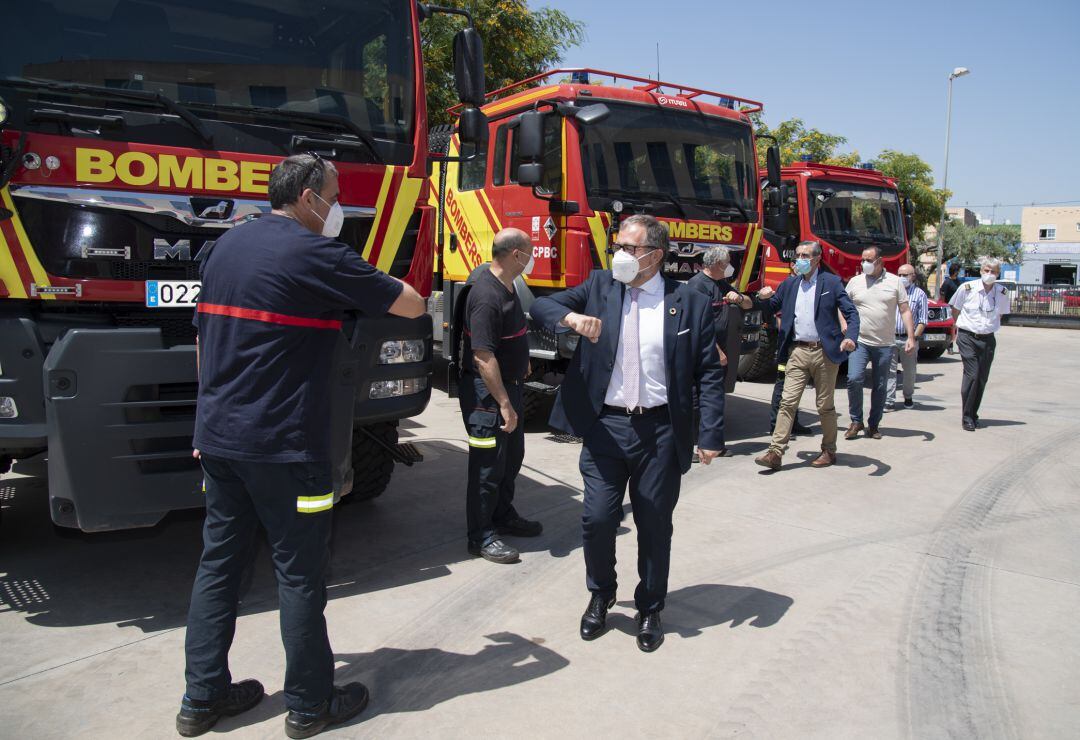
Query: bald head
[{"x": 507, "y": 241}]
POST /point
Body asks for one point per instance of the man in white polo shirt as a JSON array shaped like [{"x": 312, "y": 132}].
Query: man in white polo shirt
[
  {"x": 977, "y": 307},
  {"x": 877, "y": 295}
]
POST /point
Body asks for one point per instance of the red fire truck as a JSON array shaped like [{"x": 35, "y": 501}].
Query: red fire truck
[
  {"x": 134, "y": 133},
  {"x": 567, "y": 158},
  {"x": 846, "y": 209}
]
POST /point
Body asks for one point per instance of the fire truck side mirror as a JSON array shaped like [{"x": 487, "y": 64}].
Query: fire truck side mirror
[
  {"x": 529, "y": 136},
  {"x": 530, "y": 174},
  {"x": 472, "y": 126},
  {"x": 469, "y": 66},
  {"x": 772, "y": 164}
]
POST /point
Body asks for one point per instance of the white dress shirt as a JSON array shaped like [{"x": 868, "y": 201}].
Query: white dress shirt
[
  {"x": 805, "y": 298},
  {"x": 653, "y": 383},
  {"x": 980, "y": 310}
]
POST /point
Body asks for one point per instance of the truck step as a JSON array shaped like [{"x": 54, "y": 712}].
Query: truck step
[
  {"x": 537, "y": 387},
  {"x": 407, "y": 454}
]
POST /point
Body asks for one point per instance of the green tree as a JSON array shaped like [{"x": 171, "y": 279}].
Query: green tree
[
  {"x": 796, "y": 141},
  {"x": 518, "y": 43},
  {"x": 915, "y": 180},
  {"x": 967, "y": 243}
]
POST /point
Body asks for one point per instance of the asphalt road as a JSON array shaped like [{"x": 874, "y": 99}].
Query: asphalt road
[{"x": 927, "y": 586}]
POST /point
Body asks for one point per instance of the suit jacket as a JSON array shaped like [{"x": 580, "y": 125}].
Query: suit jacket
[
  {"x": 689, "y": 353},
  {"x": 830, "y": 298}
]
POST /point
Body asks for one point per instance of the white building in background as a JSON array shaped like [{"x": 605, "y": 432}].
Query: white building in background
[{"x": 1050, "y": 237}]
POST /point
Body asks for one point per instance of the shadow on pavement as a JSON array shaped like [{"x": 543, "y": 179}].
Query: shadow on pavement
[
  {"x": 894, "y": 432},
  {"x": 693, "y": 609},
  {"x": 845, "y": 459},
  {"x": 1001, "y": 423},
  {"x": 142, "y": 578}
]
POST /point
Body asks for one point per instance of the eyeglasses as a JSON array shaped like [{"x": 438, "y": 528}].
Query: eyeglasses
[{"x": 634, "y": 249}]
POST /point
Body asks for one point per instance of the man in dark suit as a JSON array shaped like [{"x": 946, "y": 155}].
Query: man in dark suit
[
  {"x": 810, "y": 334},
  {"x": 628, "y": 394}
]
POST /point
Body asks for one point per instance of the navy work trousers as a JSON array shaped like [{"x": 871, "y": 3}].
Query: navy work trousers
[
  {"x": 977, "y": 352},
  {"x": 294, "y": 504},
  {"x": 494, "y": 457},
  {"x": 639, "y": 450}
]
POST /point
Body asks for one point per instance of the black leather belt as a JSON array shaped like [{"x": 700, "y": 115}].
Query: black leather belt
[
  {"x": 636, "y": 411},
  {"x": 810, "y": 345},
  {"x": 978, "y": 336}
]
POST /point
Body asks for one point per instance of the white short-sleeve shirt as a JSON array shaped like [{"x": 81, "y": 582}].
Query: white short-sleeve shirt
[{"x": 980, "y": 308}]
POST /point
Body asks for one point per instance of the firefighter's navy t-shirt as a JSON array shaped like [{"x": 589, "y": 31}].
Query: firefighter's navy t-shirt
[
  {"x": 495, "y": 322},
  {"x": 273, "y": 298}
]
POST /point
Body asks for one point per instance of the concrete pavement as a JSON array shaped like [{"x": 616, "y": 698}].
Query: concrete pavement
[{"x": 924, "y": 587}]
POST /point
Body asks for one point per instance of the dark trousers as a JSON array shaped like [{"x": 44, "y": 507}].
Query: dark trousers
[
  {"x": 293, "y": 502},
  {"x": 494, "y": 457},
  {"x": 639, "y": 451},
  {"x": 977, "y": 353}
]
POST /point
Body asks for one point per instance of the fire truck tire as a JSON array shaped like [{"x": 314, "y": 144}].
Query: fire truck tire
[
  {"x": 931, "y": 353},
  {"x": 439, "y": 138},
  {"x": 535, "y": 403},
  {"x": 373, "y": 465},
  {"x": 761, "y": 363}
]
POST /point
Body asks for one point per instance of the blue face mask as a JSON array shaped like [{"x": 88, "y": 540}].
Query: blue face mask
[{"x": 802, "y": 266}]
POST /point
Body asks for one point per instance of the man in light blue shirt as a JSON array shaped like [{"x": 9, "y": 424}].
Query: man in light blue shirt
[{"x": 805, "y": 328}]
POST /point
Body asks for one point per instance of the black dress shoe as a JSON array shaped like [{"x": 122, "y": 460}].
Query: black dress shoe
[
  {"x": 496, "y": 551},
  {"x": 969, "y": 426},
  {"x": 197, "y": 717},
  {"x": 347, "y": 702},
  {"x": 594, "y": 620},
  {"x": 650, "y": 632},
  {"x": 519, "y": 527}
]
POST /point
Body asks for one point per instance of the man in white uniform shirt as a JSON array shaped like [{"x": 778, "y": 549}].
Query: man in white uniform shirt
[{"x": 977, "y": 308}]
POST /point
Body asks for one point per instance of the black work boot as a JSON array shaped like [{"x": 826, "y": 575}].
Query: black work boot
[
  {"x": 196, "y": 717},
  {"x": 594, "y": 620},
  {"x": 496, "y": 551},
  {"x": 347, "y": 702}
]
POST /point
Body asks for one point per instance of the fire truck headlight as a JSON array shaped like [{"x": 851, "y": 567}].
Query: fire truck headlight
[
  {"x": 397, "y": 351},
  {"x": 395, "y": 388},
  {"x": 8, "y": 409}
]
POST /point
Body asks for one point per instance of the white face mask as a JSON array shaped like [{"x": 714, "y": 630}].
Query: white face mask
[
  {"x": 868, "y": 268},
  {"x": 334, "y": 220},
  {"x": 988, "y": 278},
  {"x": 528, "y": 265},
  {"x": 729, "y": 271},
  {"x": 905, "y": 281},
  {"x": 624, "y": 267}
]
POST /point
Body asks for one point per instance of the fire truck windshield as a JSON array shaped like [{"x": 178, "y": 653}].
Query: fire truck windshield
[
  {"x": 856, "y": 216},
  {"x": 252, "y": 71},
  {"x": 704, "y": 162}
]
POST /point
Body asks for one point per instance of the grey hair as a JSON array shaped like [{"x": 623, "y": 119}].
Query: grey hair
[
  {"x": 509, "y": 239},
  {"x": 716, "y": 256},
  {"x": 815, "y": 247},
  {"x": 656, "y": 233},
  {"x": 296, "y": 174},
  {"x": 992, "y": 262}
]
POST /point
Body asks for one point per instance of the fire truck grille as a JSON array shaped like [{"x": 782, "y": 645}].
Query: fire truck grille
[{"x": 153, "y": 270}]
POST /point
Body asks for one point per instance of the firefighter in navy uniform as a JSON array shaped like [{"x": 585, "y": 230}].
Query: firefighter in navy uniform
[
  {"x": 494, "y": 366},
  {"x": 273, "y": 299}
]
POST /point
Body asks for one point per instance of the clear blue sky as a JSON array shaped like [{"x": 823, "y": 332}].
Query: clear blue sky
[{"x": 876, "y": 73}]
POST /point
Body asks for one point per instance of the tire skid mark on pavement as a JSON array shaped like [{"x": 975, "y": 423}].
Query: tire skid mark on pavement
[
  {"x": 765, "y": 707},
  {"x": 952, "y": 686}
]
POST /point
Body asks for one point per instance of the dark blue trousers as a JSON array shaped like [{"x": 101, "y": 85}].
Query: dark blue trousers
[
  {"x": 639, "y": 452},
  {"x": 293, "y": 502},
  {"x": 495, "y": 457}
]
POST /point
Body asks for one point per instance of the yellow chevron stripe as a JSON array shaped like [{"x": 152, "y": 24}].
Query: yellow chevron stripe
[
  {"x": 751, "y": 255},
  {"x": 40, "y": 277},
  {"x": 380, "y": 211},
  {"x": 527, "y": 98},
  {"x": 498, "y": 223},
  {"x": 599, "y": 237},
  {"x": 404, "y": 207},
  {"x": 9, "y": 274}
]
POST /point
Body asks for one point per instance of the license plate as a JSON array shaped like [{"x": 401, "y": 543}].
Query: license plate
[
  {"x": 172, "y": 293},
  {"x": 934, "y": 337}
]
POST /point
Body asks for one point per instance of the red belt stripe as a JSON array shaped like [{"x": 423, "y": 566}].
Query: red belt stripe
[
  {"x": 268, "y": 317},
  {"x": 515, "y": 335}
]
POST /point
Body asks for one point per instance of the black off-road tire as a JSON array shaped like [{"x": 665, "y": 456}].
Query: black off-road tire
[
  {"x": 373, "y": 465},
  {"x": 761, "y": 363}
]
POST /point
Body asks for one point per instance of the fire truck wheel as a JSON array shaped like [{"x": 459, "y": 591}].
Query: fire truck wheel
[
  {"x": 931, "y": 353},
  {"x": 761, "y": 363},
  {"x": 536, "y": 403},
  {"x": 373, "y": 465}
]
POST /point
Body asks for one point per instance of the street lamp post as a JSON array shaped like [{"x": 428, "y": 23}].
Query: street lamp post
[{"x": 958, "y": 72}]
